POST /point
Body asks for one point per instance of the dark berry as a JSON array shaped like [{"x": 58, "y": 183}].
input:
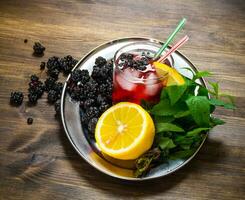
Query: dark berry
[
  {"x": 54, "y": 73},
  {"x": 58, "y": 87},
  {"x": 29, "y": 120},
  {"x": 25, "y": 40},
  {"x": 16, "y": 98},
  {"x": 34, "y": 78},
  {"x": 92, "y": 112},
  {"x": 49, "y": 83},
  {"x": 42, "y": 66},
  {"x": 57, "y": 107},
  {"x": 33, "y": 97},
  {"x": 53, "y": 96},
  {"x": 88, "y": 103},
  {"x": 101, "y": 99},
  {"x": 84, "y": 76},
  {"x": 92, "y": 124},
  {"x": 67, "y": 64},
  {"x": 38, "y": 48},
  {"x": 76, "y": 75},
  {"x": 100, "y": 61},
  {"x": 53, "y": 64},
  {"x": 104, "y": 107}
]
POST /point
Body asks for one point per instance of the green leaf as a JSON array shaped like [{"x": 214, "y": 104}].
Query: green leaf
[
  {"x": 163, "y": 108},
  {"x": 196, "y": 131},
  {"x": 164, "y": 119},
  {"x": 215, "y": 88},
  {"x": 166, "y": 143},
  {"x": 175, "y": 92},
  {"x": 182, "y": 154},
  {"x": 216, "y": 121},
  {"x": 164, "y": 94},
  {"x": 201, "y": 74},
  {"x": 146, "y": 105},
  {"x": 218, "y": 102},
  {"x": 202, "y": 91},
  {"x": 199, "y": 107},
  {"x": 160, "y": 127},
  {"x": 182, "y": 114}
]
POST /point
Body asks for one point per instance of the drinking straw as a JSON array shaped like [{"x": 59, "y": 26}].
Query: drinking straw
[
  {"x": 170, "y": 38},
  {"x": 174, "y": 48}
]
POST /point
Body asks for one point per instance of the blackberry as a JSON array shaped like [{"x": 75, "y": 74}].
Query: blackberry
[
  {"x": 34, "y": 78},
  {"x": 36, "y": 86},
  {"x": 53, "y": 64},
  {"x": 76, "y": 75},
  {"x": 89, "y": 102},
  {"x": 92, "y": 112},
  {"x": 103, "y": 88},
  {"x": 54, "y": 73},
  {"x": 76, "y": 93},
  {"x": 57, "y": 107},
  {"x": 42, "y": 66},
  {"x": 100, "y": 61},
  {"x": 92, "y": 124},
  {"x": 38, "y": 90},
  {"x": 29, "y": 120},
  {"x": 58, "y": 87},
  {"x": 33, "y": 97},
  {"x": 84, "y": 76},
  {"x": 16, "y": 98},
  {"x": 49, "y": 83},
  {"x": 67, "y": 64},
  {"x": 101, "y": 99},
  {"x": 91, "y": 86},
  {"x": 38, "y": 49},
  {"x": 104, "y": 107},
  {"x": 53, "y": 96}
]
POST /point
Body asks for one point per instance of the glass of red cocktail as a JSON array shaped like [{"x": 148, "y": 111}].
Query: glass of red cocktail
[{"x": 135, "y": 78}]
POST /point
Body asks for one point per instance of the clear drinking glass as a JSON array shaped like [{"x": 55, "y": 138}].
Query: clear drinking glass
[{"x": 134, "y": 85}]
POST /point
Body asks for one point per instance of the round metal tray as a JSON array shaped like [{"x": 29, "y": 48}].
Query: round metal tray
[{"x": 77, "y": 136}]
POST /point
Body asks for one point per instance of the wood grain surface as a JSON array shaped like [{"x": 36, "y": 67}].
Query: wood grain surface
[{"x": 38, "y": 162}]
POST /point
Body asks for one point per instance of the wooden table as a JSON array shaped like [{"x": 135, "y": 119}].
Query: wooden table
[{"x": 38, "y": 162}]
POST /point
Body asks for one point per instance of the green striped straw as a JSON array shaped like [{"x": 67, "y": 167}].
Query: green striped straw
[{"x": 170, "y": 38}]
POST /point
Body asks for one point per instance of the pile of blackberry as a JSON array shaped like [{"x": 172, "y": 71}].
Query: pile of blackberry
[
  {"x": 51, "y": 86},
  {"x": 94, "y": 92},
  {"x": 127, "y": 60}
]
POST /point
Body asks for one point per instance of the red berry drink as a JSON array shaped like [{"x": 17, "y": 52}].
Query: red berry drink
[{"x": 134, "y": 77}]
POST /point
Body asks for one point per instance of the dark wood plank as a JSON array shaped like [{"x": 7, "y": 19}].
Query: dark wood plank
[{"x": 38, "y": 162}]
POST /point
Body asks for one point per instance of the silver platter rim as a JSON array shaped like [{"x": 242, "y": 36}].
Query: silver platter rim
[{"x": 98, "y": 48}]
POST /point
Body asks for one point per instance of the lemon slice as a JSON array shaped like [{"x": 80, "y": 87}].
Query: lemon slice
[
  {"x": 125, "y": 131},
  {"x": 173, "y": 76}
]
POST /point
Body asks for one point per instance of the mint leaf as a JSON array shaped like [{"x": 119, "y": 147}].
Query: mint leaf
[
  {"x": 216, "y": 121},
  {"x": 218, "y": 102},
  {"x": 199, "y": 107},
  {"x": 201, "y": 74},
  {"x": 215, "y": 89},
  {"x": 146, "y": 105},
  {"x": 182, "y": 154},
  {"x": 196, "y": 131},
  {"x": 175, "y": 92},
  {"x": 163, "y": 108},
  {"x": 163, "y": 119},
  {"x": 202, "y": 91},
  {"x": 182, "y": 114},
  {"x": 164, "y": 94},
  {"x": 160, "y": 127},
  {"x": 166, "y": 143}
]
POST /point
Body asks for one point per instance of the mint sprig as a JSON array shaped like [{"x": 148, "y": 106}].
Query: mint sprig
[{"x": 182, "y": 117}]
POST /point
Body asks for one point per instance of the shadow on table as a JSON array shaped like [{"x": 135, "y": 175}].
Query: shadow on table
[{"x": 209, "y": 153}]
